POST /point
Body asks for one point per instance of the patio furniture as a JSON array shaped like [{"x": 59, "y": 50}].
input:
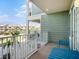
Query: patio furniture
[
  {"x": 64, "y": 42},
  {"x": 63, "y": 53}
]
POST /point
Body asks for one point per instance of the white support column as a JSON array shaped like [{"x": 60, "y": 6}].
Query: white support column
[{"x": 27, "y": 24}]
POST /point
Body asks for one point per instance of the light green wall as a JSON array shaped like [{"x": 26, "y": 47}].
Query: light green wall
[{"x": 57, "y": 25}]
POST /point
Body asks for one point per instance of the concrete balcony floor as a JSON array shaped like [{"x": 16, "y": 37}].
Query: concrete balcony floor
[{"x": 44, "y": 51}]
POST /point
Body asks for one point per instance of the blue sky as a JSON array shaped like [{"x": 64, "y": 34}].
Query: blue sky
[{"x": 12, "y": 11}]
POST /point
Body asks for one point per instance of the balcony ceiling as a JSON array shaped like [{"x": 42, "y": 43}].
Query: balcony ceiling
[{"x": 53, "y": 6}]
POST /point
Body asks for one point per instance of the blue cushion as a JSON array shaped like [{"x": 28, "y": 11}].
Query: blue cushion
[
  {"x": 64, "y": 42},
  {"x": 61, "y": 53}
]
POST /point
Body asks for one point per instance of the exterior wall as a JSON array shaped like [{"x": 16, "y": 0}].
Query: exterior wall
[{"x": 57, "y": 25}]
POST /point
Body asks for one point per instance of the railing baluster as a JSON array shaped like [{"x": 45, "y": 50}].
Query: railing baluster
[
  {"x": 7, "y": 47},
  {"x": 14, "y": 46},
  {"x": 20, "y": 47},
  {"x": 2, "y": 47},
  {"x": 11, "y": 48}
]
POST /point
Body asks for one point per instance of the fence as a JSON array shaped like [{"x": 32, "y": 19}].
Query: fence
[{"x": 17, "y": 47}]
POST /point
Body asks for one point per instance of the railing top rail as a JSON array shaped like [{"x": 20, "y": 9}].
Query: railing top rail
[{"x": 9, "y": 36}]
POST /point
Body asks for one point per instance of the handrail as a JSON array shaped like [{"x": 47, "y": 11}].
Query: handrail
[{"x": 10, "y": 36}]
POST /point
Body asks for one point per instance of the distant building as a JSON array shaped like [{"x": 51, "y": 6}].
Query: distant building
[{"x": 7, "y": 27}]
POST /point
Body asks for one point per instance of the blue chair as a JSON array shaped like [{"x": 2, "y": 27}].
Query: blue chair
[
  {"x": 62, "y": 53},
  {"x": 64, "y": 42}
]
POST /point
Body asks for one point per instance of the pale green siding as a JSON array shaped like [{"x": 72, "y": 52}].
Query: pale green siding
[{"x": 57, "y": 25}]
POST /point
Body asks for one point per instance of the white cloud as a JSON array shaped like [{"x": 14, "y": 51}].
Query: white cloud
[
  {"x": 22, "y": 11},
  {"x": 4, "y": 17}
]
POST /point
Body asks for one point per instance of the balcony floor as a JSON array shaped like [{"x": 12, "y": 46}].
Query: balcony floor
[{"x": 44, "y": 51}]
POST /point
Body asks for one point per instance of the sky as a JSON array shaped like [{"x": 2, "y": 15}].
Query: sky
[{"x": 13, "y": 11}]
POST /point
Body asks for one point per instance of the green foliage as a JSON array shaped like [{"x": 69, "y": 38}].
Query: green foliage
[
  {"x": 8, "y": 43},
  {"x": 15, "y": 33},
  {"x": 33, "y": 29}
]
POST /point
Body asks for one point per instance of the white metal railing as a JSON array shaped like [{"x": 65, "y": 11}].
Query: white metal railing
[
  {"x": 31, "y": 46},
  {"x": 43, "y": 39},
  {"x": 17, "y": 47}
]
